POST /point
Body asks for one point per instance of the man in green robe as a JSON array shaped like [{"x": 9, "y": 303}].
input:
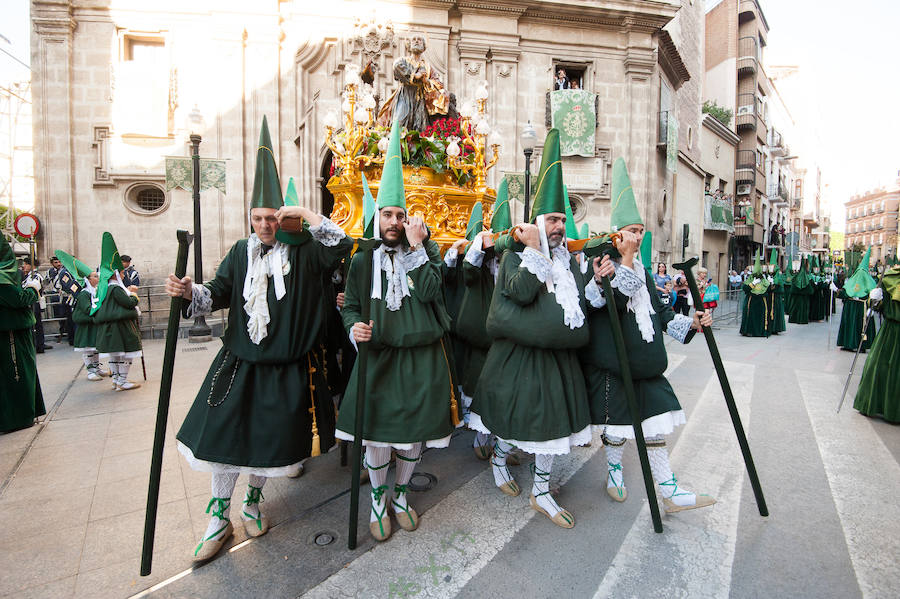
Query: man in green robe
[
  {"x": 411, "y": 399},
  {"x": 755, "y": 315},
  {"x": 85, "y": 338},
  {"x": 531, "y": 391},
  {"x": 879, "y": 388},
  {"x": 816, "y": 306},
  {"x": 116, "y": 316},
  {"x": 263, "y": 407},
  {"x": 19, "y": 384},
  {"x": 801, "y": 290},
  {"x": 777, "y": 286},
  {"x": 643, "y": 318},
  {"x": 855, "y": 298}
]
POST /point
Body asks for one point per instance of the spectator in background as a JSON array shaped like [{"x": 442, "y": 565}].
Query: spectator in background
[
  {"x": 61, "y": 301},
  {"x": 29, "y": 273},
  {"x": 561, "y": 81},
  {"x": 574, "y": 84},
  {"x": 668, "y": 296},
  {"x": 734, "y": 280},
  {"x": 130, "y": 275},
  {"x": 661, "y": 278},
  {"x": 682, "y": 296}
]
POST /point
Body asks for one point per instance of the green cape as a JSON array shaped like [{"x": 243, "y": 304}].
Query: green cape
[
  {"x": 500, "y": 219},
  {"x": 550, "y": 195},
  {"x": 110, "y": 262},
  {"x": 624, "y": 207},
  {"x": 801, "y": 279},
  {"x": 390, "y": 190},
  {"x": 266, "y": 186},
  {"x": 860, "y": 283},
  {"x": 763, "y": 284},
  {"x": 9, "y": 270},
  {"x": 891, "y": 282},
  {"x": 476, "y": 223}
]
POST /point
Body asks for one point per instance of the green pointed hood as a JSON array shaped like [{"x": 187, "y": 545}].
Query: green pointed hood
[
  {"x": 585, "y": 231},
  {"x": 801, "y": 280},
  {"x": 646, "y": 247},
  {"x": 110, "y": 262},
  {"x": 292, "y": 199},
  {"x": 9, "y": 270},
  {"x": 476, "y": 222},
  {"x": 773, "y": 258},
  {"x": 860, "y": 283},
  {"x": 763, "y": 285},
  {"x": 757, "y": 267},
  {"x": 550, "y": 195},
  {"x": 266, "y": 186},
  {"x": 370, "y": 211},
  {"x": 390, "y": 190},
  {"x": 571, "y": 229},
  {"x": 624, "y": 210},
  {"x": 78, "y": 269},
  {"x": 500, "y": 219}
]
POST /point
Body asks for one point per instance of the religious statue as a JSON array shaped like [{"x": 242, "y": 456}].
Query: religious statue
[{"x": 420, "y": 98}]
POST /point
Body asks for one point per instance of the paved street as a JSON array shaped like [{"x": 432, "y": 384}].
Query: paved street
[{"x": 74, "y": 489}]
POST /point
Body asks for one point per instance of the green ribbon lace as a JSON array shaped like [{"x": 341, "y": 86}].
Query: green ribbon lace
[{"x": 221, "y": 504}]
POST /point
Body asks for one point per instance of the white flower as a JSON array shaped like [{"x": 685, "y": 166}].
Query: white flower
[
  {"x": 383, "y": 144},
  {"x": 453, "y": 148}
]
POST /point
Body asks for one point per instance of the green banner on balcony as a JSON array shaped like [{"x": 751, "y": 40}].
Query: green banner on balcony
[
  {"x": 180, "y": 173},
  {"x": 574, "y": 113},
  {"x": 718, "y": 214},
  {"x": 672, "y": 142},
  {"x": 515, "y": 183}
]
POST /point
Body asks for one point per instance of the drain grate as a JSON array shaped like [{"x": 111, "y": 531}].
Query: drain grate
[
  {"x": 422, "y": 481},
  {"x": 194, "y": 348},
  {"x": 324, "y": 538}
]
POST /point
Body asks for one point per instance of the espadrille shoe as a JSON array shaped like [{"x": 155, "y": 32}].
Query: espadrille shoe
[
  {"x": 211, "y": 545},
  {"x": 406, "y": 516},
  {"x": 680, "y": 500},
  {"x": 563, "y": 519},
  {"x": 615, "y": 483},
  {"x": 482, "y": 452},
  {"x": 380, "y": 527}
]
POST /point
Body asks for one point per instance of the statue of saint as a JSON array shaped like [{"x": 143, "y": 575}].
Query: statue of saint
[{"x": 420, "y": 97}]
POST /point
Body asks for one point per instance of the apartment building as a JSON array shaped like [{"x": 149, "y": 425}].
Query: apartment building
[{"x": 872, "y": 221}]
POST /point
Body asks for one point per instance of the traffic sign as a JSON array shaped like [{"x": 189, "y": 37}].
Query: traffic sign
[{"x": 27, "y": 225}]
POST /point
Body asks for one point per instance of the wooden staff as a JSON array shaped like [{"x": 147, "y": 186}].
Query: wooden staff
[
  {"x": 162, "y": 412},
  {"x": 726, "y": 389}
]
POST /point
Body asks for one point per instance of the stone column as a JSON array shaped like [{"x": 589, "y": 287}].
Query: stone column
[{"x": 54, "y": 176}]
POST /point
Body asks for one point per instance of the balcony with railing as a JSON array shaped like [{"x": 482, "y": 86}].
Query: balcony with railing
[
  {"x": 745, "y": 167},
  {"x": 746, "y": 114},
  {"x": 748, "y": 56},
  {"x": 777, "y": 194},
  {"x": 775, "y": 141}
]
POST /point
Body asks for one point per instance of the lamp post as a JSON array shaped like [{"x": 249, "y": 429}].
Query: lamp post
[
  {"x": 199, "y": 331},
  {"x": 529, "y": 139}
]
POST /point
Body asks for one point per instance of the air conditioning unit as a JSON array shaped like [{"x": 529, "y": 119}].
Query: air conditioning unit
[
  {"x": 748, "y": 109},
  {"x": 744, "y": 189}
]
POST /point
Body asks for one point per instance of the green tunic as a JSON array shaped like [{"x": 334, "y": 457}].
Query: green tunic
[
  {"x": 755, "y": 315},
  {"x": 253, "y": 408},
  {"x": 531, "y": 387},
  {"x": 409, "y": 382},
  {"x": 20, "y": 387},
  {"x": 879, "y": 388},
  {"x": 453, "y": 290},
  {"x": 117, "y": 323},
  {"x": 86, "y": 332},
  {"x": 778, "y": 310},
  {"x": 471, "y": 324},
  {"x": 800, "y": 303},
  {"x": 852, "y": 316},
  {"x": 660, "y": 409},
  {"x": 816, "y": 309}
]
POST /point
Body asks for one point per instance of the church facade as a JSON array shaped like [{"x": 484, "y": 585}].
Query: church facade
[{"x": 119, "y": 85}]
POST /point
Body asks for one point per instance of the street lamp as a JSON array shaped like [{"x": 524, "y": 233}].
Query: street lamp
[
  {"x": 199, "y": 331},
  {"x": 529, "y": 139}
]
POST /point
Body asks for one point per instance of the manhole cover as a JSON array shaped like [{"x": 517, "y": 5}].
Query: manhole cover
[
  {"x": 422, "y": 481},
  {"x": 323, "y": 538}
]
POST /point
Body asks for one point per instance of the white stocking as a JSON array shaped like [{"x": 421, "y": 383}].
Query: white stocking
[
  {"x": 114, "y": 369},
  {"x": 253, "y": 497},
  {"x": 668, "y": 484},
  {"x": 543, "y": 463},
  {"x": 377, "y": 461},
  {"x": 220, "y": 504},
  {"x": 124, "y": 367},
  {"x": 614, "y": 447},
  {"x": 498, "y": 462},
  {"x": 481, "y": 439},
  {"x": 406, "y": 465},
  {"x": 91, "y": 361}
]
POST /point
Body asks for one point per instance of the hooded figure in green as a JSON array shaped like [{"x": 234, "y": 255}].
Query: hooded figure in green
[
  {"x": 802, "y": 288},
  {"x": 19, "y": 384},
  {"x": 755, "y": 318},
  {"x": 86, "y": 333},
  {"x": 115, "y": 313},
  {"x": 854, "y": 296},
  {"x": 644, "y": 320},
  {"x": 878, "y": 394},
  {"x": 816, "y": 304},
  {"x": 777, "y": 311},
  {"x": 263, "y": 406},
  {"x": 411, "y": 397},
  {"x": 531, "y": 391}
]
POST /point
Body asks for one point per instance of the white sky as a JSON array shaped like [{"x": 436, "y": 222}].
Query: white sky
[{"x": 847, "y": 53}]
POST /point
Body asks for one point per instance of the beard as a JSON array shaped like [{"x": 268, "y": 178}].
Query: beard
[
  {"x": 392, "y": 240},
  {"x": 554, "y": 240}
]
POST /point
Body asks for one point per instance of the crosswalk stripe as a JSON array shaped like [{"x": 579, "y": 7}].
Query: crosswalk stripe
[
  {"x": 694, "y": 555},
  {"x": 865, "y": 482},
  {"x": 456, "y": 538}
]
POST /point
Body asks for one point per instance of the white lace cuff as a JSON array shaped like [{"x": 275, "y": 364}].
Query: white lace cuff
[
  {"x": 626, "y": 280},
  {"x": 537, "y": 264},
  {"x": 475, "y": 257},
  {"x": 201, "y": 301},
  {"x": 327, "y": 233},
  {"x": 450, "y": 257},
  {"x": 679, "y": 327},
  {"x": 413, "y": 260},
  {"x": 593, "y": 294}
]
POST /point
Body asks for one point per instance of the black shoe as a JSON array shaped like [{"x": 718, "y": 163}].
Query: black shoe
[
  {"x": 39, "y": 351},
  {"x": 48, "y": 347}
]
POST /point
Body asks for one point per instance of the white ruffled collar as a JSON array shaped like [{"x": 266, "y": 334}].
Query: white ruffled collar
[{"x": 256, "y": 284}]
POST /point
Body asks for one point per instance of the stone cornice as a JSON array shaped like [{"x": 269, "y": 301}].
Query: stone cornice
[
  {"x": 52, "y": 17},
  {"x": 648, "y": 15},
  {"x": 670, "y": 60},
  {"x": 713, "y": 124}
]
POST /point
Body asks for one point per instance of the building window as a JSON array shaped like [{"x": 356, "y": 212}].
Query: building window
[
  {"x": 145, "y": 96},
  {"x": 574, "y": 75},
  {"x": 146, "y": 199},
  {"x": 722, "y": 184}
]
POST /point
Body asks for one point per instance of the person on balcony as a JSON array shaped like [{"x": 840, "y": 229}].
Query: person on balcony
[{"x": 561, "y": 81}]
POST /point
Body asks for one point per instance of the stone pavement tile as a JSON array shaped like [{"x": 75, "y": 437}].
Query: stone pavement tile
[
  {"x": 53, "y": 512},
  {"x": 137, "y": 421},
  {"x": 76, "y": 453},
  {"x": 126, "y": 465},
  {"x": 119, "y": 538},
  {"x": 36, "y": 482},
  {"x": 127, "y": 443},
  {"x": 8, "y": 461},
  {"x": 125, "y": 496},
  {"x": 65, "y": 431},
  {"x": 93, "y": 402},
  {"x": 25, "y": 561},
  {"x": 195, "y": 483},
  {"x": 18, "y": 440},
  {"x": 58, "y": 589},
  {"x": 123, "y": 579}
]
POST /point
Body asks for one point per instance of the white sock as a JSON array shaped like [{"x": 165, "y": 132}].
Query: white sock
[
  {"x": 543, "y": 463},
  {"x": 481, "y": 440},
  {"x": 220, "y": 504},
  {"x": 114, "y": 370},
  {"x": 665, "y": 479},
  {"x": 253, "y": 497},
  {"x": 406, "y": 465},
  {"x": 124, "y": 367},
  {"x": 498, "y": 462},
  {"x": 614, "y": 447},
  {"x": 466, "y": 405},
  {"x": 90, "y": 361},
  {"x": 377, "y": 461}
]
